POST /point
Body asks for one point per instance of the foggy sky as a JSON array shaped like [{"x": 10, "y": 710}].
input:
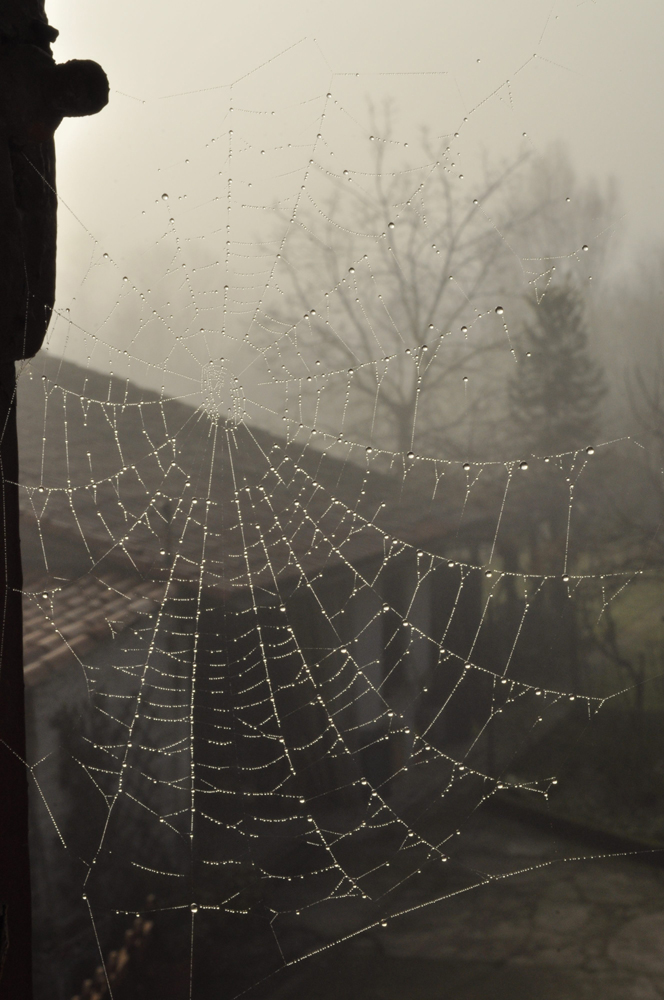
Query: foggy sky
[
  {"x": 502, "y": 74},
  {"x": 595, "y": 79}
]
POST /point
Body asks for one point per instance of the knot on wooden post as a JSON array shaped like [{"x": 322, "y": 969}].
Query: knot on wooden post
[
  {"x": 80, "y": 87},
  {"x": 36, "y": 93}
]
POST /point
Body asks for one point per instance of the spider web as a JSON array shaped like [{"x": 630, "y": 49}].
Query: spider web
[{"x": 304, "y": 661}]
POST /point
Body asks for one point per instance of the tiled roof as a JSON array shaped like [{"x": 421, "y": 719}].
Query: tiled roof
[
  {"x": 140, "y": 484},
  {"x": 122, "y": 491},
  {"x": 65, "y": 622}
]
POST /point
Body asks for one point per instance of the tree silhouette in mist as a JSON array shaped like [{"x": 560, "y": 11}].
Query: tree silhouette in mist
[{"x": 555, "y": 393}]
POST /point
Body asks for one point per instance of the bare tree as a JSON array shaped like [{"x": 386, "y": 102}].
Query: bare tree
[
  {"x": 393, "y": 306},
  {"x": 575, "y": 227}
]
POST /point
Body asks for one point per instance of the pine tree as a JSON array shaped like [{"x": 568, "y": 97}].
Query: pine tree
[
  {"x": 554, "y": 399},
  {"x": 555, "y": 393}
]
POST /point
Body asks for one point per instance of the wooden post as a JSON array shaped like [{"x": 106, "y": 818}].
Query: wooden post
[
  {"x": 15, "y": 980},
  {"x": 35, "y": 94}
]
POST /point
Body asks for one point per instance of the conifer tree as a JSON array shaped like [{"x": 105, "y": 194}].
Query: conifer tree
[
  {"x": 554, "y": 403},
  {"x": 555, "y": 393}
]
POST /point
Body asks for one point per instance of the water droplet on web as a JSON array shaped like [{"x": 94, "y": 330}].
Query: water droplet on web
[
  {"x": 590, "y": 450},
  {"x": 585, "y": 247},
  {"x": 194, "y": 907},
  {"x": 466, "y": 467},
  {"x": 411, "y": 454},
  {"x": 164, "y": 197},
  {"x": 523, "y": 466},
  {"x": 499, "y": 310},
  {"x": 390, "y": 225},
  {"x": 369, "y": 450}
]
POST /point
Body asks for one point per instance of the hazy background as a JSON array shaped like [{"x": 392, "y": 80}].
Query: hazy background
[
  {"x": 202, "y": 93},
  {"x": 589, "y": 73},
  {"x": 424, "y": 238}
]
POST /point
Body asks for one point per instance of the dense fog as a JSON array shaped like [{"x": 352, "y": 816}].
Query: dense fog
[{"x": 342, "y": 503}]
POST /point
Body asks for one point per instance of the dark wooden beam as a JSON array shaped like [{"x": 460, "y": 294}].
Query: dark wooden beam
[
  {"x": 35, "y": 95},
  {"x": 15, "y": 980}
]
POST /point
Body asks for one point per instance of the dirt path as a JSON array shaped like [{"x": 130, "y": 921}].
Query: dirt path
[{"x": 567, "y": 929}]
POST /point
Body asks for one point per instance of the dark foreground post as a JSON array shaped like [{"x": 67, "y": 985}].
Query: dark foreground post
[
  {"x": 35, "y": 95},
  {"x": 14, "y": 859}
]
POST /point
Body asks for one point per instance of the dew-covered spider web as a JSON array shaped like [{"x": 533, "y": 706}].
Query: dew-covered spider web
[{"x": 315, "y": 492}]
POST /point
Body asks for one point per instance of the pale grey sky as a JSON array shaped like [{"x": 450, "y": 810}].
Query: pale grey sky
[
  {"x": 587, "y": 72},
  {"x": 592, "y": 74}
]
